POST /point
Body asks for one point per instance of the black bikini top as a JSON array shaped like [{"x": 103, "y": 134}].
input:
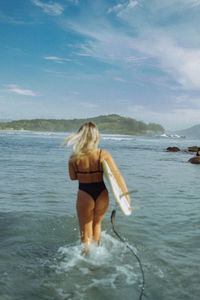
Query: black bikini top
[{"x": 90, "y": 172}]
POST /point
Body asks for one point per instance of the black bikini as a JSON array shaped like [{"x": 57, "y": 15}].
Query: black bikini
[{"x": 94, "y": 189}]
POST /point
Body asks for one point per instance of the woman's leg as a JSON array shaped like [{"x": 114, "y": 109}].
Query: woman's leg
[
  {"x": 85, "y": 211},
  {"x": 101, "y": 206}
]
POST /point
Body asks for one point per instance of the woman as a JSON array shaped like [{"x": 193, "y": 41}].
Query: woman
[{"x": 85, "y": 165}]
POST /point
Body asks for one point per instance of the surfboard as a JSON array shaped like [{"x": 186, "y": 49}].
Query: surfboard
[{"x": 119, "y": 195}]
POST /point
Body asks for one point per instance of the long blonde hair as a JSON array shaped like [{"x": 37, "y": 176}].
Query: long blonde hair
[{"x": 84, "y": 141}]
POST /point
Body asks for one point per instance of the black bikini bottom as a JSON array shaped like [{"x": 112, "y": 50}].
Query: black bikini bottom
[{"x": 94, "y": 189}]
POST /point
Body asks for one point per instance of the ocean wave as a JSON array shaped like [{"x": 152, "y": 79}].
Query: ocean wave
[
  {"x": 116, "y": 137},
  {"x": 32, "y": 134},
  {"x": 174, "y": 136}
]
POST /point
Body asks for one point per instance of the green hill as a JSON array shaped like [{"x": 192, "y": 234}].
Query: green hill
[
  {"x": 106, "y": 124},
  {"x": 192, "y": 132}
]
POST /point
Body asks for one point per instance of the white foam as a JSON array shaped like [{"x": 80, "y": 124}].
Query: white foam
[
  {"x": 32, "y": 134},
  {"x": 175, "y": 136},
  {"x": 108, "y": 281},
  {"x": 84, "y": 271},
  {"x": 156, "y": 270},
  {"x": 70, "y": 257},
  {"x": 99, "y": 255},
  {"x": 108, "y": 267},
  {"x": 76, "y": 295},
  {"x": 63, "y": 295},
  {"x": 109, "y": 256},
  {"x": 127, "y": 271},
  {"x": 116, "y": 138}
]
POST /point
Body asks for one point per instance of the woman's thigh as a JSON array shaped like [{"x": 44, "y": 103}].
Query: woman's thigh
[
  {"x": 101, "y": 205},
  {"x": 85, "y": 207}
]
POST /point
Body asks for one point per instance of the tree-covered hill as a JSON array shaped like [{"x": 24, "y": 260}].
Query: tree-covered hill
[{"x": 106, "y": 124}]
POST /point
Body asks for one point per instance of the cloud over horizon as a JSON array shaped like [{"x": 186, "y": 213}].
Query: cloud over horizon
[{"x": 14, "y": 88}]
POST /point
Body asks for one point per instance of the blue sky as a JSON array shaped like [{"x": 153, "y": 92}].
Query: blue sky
[{"x": 84, "y": 58}]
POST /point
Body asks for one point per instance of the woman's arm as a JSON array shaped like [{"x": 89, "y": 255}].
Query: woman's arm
[
  {"x": 72, "y": 173},
  {"x": 113, "y": 167}
]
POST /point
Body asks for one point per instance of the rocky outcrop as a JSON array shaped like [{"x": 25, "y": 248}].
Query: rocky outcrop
[
  {"x": 173, "y": 149},
  {"x": 194, "y": 160}
]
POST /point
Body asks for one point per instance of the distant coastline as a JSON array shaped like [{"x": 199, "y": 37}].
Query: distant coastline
[{"x": 107, "y": 124}]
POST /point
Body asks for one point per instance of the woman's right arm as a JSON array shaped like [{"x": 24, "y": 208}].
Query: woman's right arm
[{"x": 72, "y": 173}]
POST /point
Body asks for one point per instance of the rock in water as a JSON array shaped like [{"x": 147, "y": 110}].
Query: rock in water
[{"x": 173, "y": 149}]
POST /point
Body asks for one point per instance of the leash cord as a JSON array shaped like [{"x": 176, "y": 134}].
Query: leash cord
[{"x": 123, "y": 241}]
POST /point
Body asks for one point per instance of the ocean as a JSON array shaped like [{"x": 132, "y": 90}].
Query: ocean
[{"x": 40, "y": 252}]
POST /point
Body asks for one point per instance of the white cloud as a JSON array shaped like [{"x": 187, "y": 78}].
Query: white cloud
[
  {"x": 182, "y": 63},
  {"x": 54, "y": 9},
  {"x": 134, "y": 59},
  {"x": 108, "y": 45},
  {"x": 119, "y": 7},
  {"x": 57, "y": 59},
  {"x": 14, "y": 88},
  {"x": 132, "y": 4},
  {"x": 115, "y": 8},
  {"x": 119, "y": 79},
  {"x": 155, "y": 48}
]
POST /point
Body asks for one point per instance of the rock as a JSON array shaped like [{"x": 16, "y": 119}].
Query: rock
[
  {"x": 194, "y": 160},
  {"x": 173, "y": 149},
  {"x": 193, "y": 148}
]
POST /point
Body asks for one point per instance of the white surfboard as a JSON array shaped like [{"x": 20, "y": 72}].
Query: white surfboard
[{"x": 119, "y": 195}]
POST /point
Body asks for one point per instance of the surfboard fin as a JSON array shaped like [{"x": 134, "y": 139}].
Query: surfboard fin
[
  {"x": 127, "y": 193},
  {"x": 134, "y": 207}
]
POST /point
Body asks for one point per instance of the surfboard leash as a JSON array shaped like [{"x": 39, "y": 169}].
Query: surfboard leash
[{"x": 113, "y": 214}]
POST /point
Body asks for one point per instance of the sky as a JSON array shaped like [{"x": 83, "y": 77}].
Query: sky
[{"x": 69, "y": 59}]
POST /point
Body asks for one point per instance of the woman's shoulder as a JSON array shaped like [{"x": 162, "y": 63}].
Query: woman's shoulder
[
  {"x": 103, "y": 151},
  {"x": 104, "y": 154},
  {"x": 72, "y": 159}
]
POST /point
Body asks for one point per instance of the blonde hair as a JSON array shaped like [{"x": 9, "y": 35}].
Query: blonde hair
[{"x": 84, "y": 141}]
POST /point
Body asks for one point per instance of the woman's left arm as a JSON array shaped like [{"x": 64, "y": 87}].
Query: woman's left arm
[{"x": 72, "y": 173}]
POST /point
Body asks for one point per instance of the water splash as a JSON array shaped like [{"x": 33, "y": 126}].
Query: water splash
[{"x": 108, "y": 267}]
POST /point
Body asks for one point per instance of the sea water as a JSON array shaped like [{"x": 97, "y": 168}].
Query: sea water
[{"x": 40, "y": 252}]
